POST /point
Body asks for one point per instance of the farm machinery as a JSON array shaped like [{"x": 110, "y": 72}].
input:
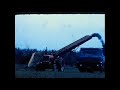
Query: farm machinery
[{"x": 55, "y": 60}]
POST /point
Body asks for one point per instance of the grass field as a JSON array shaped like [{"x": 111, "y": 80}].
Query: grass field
[{"x": 69, "y": 72}]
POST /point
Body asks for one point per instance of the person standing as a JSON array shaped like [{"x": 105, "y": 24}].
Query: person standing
[
  {"x": 53, "y": 62},
  {"x": 60, "y": 64}
]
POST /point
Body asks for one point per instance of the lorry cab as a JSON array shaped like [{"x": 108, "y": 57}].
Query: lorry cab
[{"x": 91, "y": 59}]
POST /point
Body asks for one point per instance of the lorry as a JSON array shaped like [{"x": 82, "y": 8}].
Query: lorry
[
  {"x": 53, "y": 60},
  {"x": 91, "y": 59}
]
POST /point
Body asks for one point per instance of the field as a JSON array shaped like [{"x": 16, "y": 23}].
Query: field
[{"x": 69, "y": 72}]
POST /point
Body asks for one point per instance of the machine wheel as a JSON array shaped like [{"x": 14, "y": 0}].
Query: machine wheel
[
  {"x": 40, "y": 67},
  {"x": 81, "y": 69},
  {"x": 101, "y": 70},
  {"x": 90, "y": 70}
]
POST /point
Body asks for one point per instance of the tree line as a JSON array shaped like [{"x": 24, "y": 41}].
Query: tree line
[{"x": 22, "y": 56}]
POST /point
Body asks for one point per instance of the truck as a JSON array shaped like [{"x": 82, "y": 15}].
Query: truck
[
  {"x": 53, "y": 60},
  {"x": 91, "y": 59}
]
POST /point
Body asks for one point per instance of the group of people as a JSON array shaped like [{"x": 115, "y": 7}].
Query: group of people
[{"x": 58, "y": 64}]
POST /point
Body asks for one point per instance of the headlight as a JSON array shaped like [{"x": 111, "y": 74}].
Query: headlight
[
  {"x": 97, "y": 64},
  {"x": 80, "y": 64},
  {"x": 101, "y": 62}
]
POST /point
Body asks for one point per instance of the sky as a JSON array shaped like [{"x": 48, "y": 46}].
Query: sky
[{"x": 54, "y": 31}]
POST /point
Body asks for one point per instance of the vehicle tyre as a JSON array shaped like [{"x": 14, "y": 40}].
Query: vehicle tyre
[
  {"x": 79, "y": 69},
  {"x": 101, "y": 70},
  {"x": 82, "y": 70},
  {"x": 90, "y": 70}
]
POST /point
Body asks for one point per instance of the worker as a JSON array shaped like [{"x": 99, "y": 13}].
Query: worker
[
  {"x": 60, "y": 63},
  {"x": 53, "y": 62},
  {"x": 63, "y": 64}
]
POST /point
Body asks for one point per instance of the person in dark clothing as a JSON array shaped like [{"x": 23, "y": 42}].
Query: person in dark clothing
[
  {"x": 53, "y": 65},
  {"x": 60, "y": 64}
]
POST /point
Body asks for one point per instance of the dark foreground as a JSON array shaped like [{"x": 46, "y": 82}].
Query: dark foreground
[{"x": 69, "y": 72}]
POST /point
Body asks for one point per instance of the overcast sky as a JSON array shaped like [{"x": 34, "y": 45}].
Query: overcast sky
[{"x": 54, "y": 31}]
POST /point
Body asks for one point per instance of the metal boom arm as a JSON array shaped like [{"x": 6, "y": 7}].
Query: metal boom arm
[{"x": 77, "y": 43}]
